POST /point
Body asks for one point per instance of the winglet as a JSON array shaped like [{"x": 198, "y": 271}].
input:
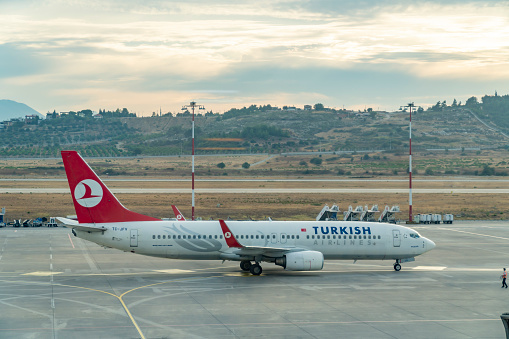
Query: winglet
[
  {"x": 178, "y": 215},
  {"x": 228, "y": 236}
]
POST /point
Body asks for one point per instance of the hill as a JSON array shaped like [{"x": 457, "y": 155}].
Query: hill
[{"x": 10, "y": 109}]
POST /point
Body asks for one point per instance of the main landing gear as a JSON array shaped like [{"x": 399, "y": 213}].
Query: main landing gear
[
  {"x": 255, "y": 268},
  {"x": 397, "y": 266}
]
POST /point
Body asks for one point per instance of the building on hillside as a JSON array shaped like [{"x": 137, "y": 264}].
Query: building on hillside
[
  {"x": 290, "y": 108},
  {"x": 32, "y": 119}
]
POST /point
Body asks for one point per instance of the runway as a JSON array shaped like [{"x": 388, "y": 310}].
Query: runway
[
  {"x": 53, "y": 285},
  {"x": 318, "y": 190}
]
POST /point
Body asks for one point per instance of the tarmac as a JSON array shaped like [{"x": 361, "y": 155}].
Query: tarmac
[{"x": 53, "y": 285}]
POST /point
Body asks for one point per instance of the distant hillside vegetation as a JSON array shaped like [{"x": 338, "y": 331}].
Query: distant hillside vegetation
[{"x": 11, "y": 109}]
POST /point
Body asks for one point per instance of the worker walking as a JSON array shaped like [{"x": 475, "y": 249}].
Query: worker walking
[{"x": 504, "y": 276}]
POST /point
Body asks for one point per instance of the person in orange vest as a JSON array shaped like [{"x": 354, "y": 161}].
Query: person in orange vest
[{"x": 504, "y": 276}]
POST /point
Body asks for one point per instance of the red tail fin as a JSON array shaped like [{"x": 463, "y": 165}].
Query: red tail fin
[
  {"x": 228, "y": 235},
  {"x": 178, "y": 215},
  {"x": 93, "y": 201}
]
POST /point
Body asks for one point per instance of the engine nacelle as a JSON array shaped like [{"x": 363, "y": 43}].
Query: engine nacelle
[{"x": 301, "y": 261}]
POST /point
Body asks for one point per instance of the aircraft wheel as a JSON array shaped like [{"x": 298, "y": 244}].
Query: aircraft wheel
[
  {"x": 397, "y": 267},
  {"x": 245, "y": 265},
  {"x": 255, "y": 269}
]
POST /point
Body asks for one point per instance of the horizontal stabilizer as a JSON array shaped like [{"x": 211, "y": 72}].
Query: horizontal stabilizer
[{"x": 80, "y": 227}]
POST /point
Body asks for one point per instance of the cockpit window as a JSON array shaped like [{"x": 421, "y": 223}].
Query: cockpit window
[{"x": 414, "y": 235}]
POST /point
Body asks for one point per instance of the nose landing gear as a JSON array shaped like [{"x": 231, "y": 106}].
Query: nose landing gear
[{"x": 397, "y": 266}]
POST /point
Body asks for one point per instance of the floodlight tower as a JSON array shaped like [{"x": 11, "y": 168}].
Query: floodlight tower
[
  {"x": 410, "y": 219},
  {"x": 192, "y": 104}
]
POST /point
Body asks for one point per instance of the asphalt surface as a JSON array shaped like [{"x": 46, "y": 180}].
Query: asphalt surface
[
  {"x": 53, "y": 285},
  {"x": 318, "y": 190}
]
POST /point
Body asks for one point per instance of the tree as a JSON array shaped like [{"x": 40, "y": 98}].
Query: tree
[
  {"x": 246, "y": 165},
  {"x": 316, "y": 161},
  {"x": 221, "y": 165},
  {"x": 472, "y": 101},
  {"x": 487, "y": 170},
  {"x": 319, "y": 107}
]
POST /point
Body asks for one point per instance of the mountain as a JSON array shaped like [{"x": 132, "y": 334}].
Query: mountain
[{"x": 11, "y": 109}]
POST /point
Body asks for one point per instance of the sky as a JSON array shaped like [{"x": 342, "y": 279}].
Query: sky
[{"x": 149, "y": 55}]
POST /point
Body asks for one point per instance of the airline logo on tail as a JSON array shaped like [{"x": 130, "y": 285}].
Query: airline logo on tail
[
  {"x": 93, "y": 201},
  {"x": 88, "y": 193}
]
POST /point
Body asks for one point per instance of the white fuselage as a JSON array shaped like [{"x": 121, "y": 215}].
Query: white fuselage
[{"x": 204, "y": 239}]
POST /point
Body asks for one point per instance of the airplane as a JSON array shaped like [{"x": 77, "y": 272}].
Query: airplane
[
  {"x": 178, "y": 214},
  {"x": 294, "y": 245}
]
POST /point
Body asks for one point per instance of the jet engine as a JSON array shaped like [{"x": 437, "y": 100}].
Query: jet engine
[{"x": 301, "y": 261}]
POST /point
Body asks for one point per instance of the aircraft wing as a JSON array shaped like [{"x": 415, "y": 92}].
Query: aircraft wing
[
  {"x": 236, "y": 248},
  {"x": 80, "y": 227},
  {"x": 265, "y": 251}
]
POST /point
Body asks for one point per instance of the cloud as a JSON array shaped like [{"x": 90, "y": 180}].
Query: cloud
[{"x": 244, "y": 50}]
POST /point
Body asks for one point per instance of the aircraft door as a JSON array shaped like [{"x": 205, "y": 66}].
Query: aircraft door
[
  {"x": 273, "y": 238},
  {"x": 134, "y": 238},
  {"x": 396, "y": 236},
  {"x": 283, "y": 238}
]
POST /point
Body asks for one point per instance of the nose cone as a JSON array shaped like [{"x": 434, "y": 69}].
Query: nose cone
[{"x": 429, "y": 245}]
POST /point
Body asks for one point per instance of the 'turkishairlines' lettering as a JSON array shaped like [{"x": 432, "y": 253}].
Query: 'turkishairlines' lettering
[{"x": 342, "y": 230}]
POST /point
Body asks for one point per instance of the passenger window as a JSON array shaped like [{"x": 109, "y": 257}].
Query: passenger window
[
  {"x": 178, "y": 236},
  {"x": 164, "y": 236},
  {"x": 312, "y": 237},
  {"x": 350, "y": 237},
  {"x": 297, "y": 237},
  {"x": 257, "y": 236},
  {"x": 221, "y": 237},
  {"x": 252, "y": 236},
  {"x": 293, "y": 236},
  {"x": 307, "y": 236},
  {"x": 273, "y": 236},
  {"x": 215, "y": 236},
  {"x": 158, "y": 237},
  {"x": 328, "y": 237},
  {"x": 261, "y": 236},
  {"x": 153, "y": 237},
  {"x": 364, "y": 237},
  {"x": 379, "y": 237}
]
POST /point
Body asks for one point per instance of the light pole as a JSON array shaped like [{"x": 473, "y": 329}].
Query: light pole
[
  {"x": 410, "y": 219},
  {"x": 192, "y": 104}
]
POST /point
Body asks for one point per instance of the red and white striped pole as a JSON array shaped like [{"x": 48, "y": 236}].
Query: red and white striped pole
[
  {"x": 192, "y": 104},
  {"x": 410, "y": 217},
  {"x": 192, "y": 166}
]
